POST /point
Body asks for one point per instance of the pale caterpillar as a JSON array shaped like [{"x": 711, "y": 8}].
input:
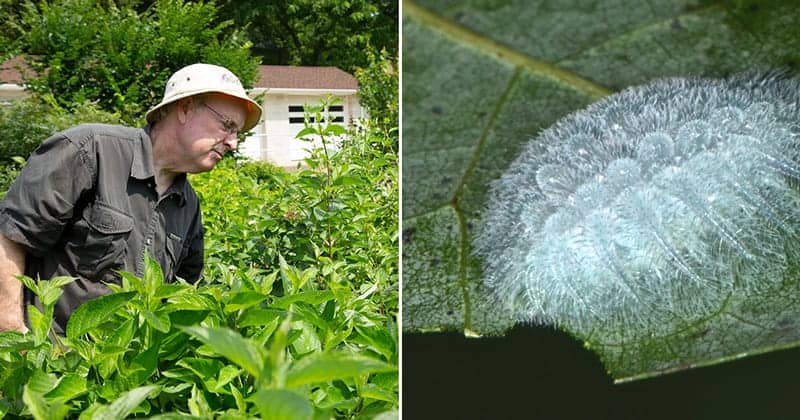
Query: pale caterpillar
[{"x": 650, "y": 207}]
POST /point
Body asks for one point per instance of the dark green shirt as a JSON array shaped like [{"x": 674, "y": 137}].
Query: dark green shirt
[{"x": 86, "y": 205}]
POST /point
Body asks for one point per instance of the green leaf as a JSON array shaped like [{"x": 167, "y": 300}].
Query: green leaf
[
  {"x": 322, "y": 367},
  {"x": 280, "y": 404},
  {"x": 187, "y": 317},
  {"x": 193, "y": 302},
  {"x": 159, "y": 320},
  {"x": 205, "y": 369},
  {"x": 258, "y": 316},
  {"x": 198, "y": 405},
  {"x": 226, "y": 375},
  {"x": 175, "y": 416},
  {"x": 304, "y": 133},
  {"x": 377, "y": 393},
  {"x": 130, "y": 281},
  {"x": 314, "y": 297},
  {"x": 40, "y": 324},
  {"x": 165, "y": 291},
  {"x": 50, "y": 290},
  {"x": 241, "y": 403},
  {"x": 69, "y": 387},
  {"x": 39, "y": 407},
  {"x": 231, "y": 345},
  {"x": 481, "y": 78},
  {"x": 126, "y": 403},
  {"x": 41, "y": 383},
  {"x": 95, "y": 312},
  {"x": 153, "y": 275},
  {"x": 244, "y": 300},
  {"x": 15, "y": 341},
  {"x": 144, "y": 364},
  {"x": 334, "y": 130}
]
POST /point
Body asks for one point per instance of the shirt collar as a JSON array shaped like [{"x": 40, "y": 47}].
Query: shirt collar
[{"x": 142, "y": 167}]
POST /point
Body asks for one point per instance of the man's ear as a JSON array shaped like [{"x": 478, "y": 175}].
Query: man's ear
[{"x": 185, "y": 109}]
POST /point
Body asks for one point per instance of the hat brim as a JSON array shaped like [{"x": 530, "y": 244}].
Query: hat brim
[{"x": 252, "y": 108}]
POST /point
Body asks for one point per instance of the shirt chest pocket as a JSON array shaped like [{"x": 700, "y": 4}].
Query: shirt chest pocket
[
  {"x": 176, "y": 249},
  {"x": 100, "y": 240}
]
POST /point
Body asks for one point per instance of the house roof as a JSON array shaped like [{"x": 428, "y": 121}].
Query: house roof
[
  {"x": 275, "y": 77},
  {"x": 304, "y": 77},
  {"x": 13, "y": 69}
]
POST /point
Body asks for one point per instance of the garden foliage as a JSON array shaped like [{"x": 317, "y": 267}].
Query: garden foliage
[
  {"x": 119, "y": 57},
  {"x": 378, "y": 87},
  {"x": 24, "y": 124},
  {"x": 295, "y": 316}
]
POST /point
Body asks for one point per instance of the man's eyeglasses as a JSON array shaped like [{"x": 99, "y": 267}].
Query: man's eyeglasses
[{"x": 228, "y": 124}]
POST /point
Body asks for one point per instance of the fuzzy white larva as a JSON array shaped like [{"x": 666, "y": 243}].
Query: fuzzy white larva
[{"x": 650, "y": 206}]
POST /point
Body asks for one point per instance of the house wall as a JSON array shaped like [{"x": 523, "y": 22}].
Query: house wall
[
  {"x": 273, "y": 140},
  {"x": 12, "y": 92}
]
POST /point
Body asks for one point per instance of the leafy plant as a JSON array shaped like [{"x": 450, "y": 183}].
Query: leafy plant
[
  {"x": 121, "y": 58},
  {"x": 378, "y": 88},
  {"x": 317, "y": 32},
  {"x": 154, "y": 348},
  {"x": 26, "y": 123},
  {"x": 295, "y": 316}
]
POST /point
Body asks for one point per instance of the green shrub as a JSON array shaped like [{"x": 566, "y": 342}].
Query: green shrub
[
  {"x": 120, "y": 58},
  {"x": 296, "y": 313},
  {"x": 26, "y": 123},
  {"x": 223, "y": 349},
  {"x": 260, "y": 171},
  {"x": 378, "y": 89}
]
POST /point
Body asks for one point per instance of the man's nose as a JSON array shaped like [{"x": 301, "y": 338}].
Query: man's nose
[{"x": 231, "y": 141}]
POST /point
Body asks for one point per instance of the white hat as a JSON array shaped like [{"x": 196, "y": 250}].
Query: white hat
[{"x": 200, "y": 78}]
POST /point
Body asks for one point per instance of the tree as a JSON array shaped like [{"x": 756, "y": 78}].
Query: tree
[
  {"x": 378, "y": 89},
  {"x": 317, "y": 32},
  {"x": 121, "y": 55}
]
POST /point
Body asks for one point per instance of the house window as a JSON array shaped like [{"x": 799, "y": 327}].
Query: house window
[
  {"x": 296, "y": 114},
  {"x": 299, "y": 120}
]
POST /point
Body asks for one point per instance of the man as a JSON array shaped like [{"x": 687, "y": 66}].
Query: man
[{"x": 94, "y": 199}]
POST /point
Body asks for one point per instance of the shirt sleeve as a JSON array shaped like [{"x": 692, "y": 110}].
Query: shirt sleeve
[
  {"x": 191, "y": 267},
  {"x": 41, "y": 200}
]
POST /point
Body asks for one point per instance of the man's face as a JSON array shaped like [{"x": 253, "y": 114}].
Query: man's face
[{"x": 209, "y": 131}]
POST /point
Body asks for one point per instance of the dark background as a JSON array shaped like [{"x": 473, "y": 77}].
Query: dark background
[{"x": 538, "y": 372}]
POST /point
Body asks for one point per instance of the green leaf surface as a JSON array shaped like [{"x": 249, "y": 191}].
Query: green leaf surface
[
  {"x": 321, "y": 367},
  {"x": 481, "y": 78},
  {"x": 231, "y": 345},
  {"x": 126, "y": 403},
  {"x": 158, "y": 320},
  {"x": 95, "y": 312},
  {"x": 279, "y": 404},
  {"x": 205, "y": 369},
  {"x": 14, "y": 341},
  {"x": 69, "y": 387},
  {"x": 39, "y": 408},
  {"x": 314, "y": 297},
  {"x": 244, "y": 300}
]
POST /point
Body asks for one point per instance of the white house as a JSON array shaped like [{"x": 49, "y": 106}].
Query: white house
[
  {"x": 286, "y": 90},
  {"x": 283, "y": 91},
  {"x": 11, "y": 73}
]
